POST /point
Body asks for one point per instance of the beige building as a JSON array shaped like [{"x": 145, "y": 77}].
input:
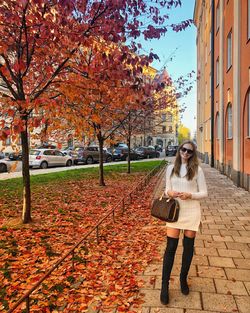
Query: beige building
[{"x": 160, "y": 128}]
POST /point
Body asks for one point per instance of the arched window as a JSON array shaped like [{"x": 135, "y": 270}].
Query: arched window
[
  {"x": 229, "y": 121},
  {"x": 248, "y": 114},
  {"x": 218, "y": 125}
]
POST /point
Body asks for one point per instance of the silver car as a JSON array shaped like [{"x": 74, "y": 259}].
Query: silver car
[
  {"x": 5, "y": 166},
  {"x": 44, "y": 158}
]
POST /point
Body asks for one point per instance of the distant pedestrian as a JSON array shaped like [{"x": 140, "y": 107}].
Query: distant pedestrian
[{"x": 185, "y": 181}]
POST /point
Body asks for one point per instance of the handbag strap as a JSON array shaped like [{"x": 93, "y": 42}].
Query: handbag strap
[{"x": 156, "y": 189}]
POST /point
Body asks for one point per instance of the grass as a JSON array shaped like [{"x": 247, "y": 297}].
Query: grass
[{"x": 15, "y": 185}]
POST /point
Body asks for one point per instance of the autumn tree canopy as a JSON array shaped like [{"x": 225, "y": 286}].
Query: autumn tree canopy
[{"x": 40, "y": 38}]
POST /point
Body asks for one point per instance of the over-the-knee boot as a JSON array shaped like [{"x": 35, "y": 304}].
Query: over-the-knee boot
[
  {"x": 168, "y": 261},
  {"x": 187, "y": 256}
]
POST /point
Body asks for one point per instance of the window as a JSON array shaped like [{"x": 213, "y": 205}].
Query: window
[
  {"x": 169, "y": 117},
  {"x": 170, "y": 129},
  {"x": 248, "y": 108},
  {"x": 218, "y": 126},
  {"x": 164, "y": 117},
  {"x": 8, "y": 139},
  {"x": 229, "y": 122},
  {"x": 218, "y": 16},
  {"x": 209, "y": 90},
  {"x": 163, "y": 129},
  {"x": 49, "y": 152},
  {"x": 210, "y": 41},
  {"x": 248, "y": 19},
  {"x": 229, "y": 50},
  {"x": 217, "y": 71},
  {"x": 58, "y": 153}
]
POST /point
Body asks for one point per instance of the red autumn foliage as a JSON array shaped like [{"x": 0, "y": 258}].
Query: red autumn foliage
[
  {"x": 39, "y": 38},
  {"x": 109, "y": 278}
]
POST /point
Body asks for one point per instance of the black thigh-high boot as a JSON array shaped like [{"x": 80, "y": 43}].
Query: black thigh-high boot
[
  {"x": 187, "y": 256},
  {"x": 168, "y": 261}
]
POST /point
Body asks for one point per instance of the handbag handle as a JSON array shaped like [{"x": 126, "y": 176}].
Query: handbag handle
[{"x": 163, "y": 193}]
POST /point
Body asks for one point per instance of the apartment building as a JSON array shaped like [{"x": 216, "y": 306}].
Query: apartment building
[
  {"x": 223, "y": 97},
  {"x": 161, "y": 127}
]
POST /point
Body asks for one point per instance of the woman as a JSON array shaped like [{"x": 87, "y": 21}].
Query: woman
[{"x": 186, "y": 182}]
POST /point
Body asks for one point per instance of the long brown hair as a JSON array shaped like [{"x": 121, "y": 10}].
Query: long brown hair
[{"x": 192, "y": 163}]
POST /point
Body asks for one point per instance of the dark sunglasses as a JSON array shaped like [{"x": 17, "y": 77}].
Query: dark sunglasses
[{"x": 189, "y": 151}]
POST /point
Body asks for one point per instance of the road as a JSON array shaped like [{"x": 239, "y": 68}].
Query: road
[{"x": 17, "y": 171}]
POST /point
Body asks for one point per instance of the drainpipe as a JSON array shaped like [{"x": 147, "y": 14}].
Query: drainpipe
[{"x": 212, "y": 83}]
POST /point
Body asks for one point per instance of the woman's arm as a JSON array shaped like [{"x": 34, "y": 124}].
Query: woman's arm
[
  {"x": 202, "y": 186},
  {"x": 168, "y": 190}
]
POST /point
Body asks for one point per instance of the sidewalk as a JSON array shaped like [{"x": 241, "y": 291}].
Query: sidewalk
[{"x": 219, "y": 276}]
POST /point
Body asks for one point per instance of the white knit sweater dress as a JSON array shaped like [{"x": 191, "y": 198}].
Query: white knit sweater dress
[{"x": 190, "y": 212}]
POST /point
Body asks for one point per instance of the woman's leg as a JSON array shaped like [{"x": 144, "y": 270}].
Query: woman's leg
[
  {"x": 168, "y": 261},
  {"x": 187, "y": 256}
]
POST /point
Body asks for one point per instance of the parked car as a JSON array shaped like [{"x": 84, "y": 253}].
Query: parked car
[
  {"x": 47, "y": 146},
  {"x": 2, "y": 155},
  {"x": 72, "y": 154},
  {"x": 90, "y": 155},
  {"x": 122, "y": 154},
  {"x": 171, "y": 150},
  {"x": 148, "y": 152},
  {"x": 5, "y": 166},
  {"x": 15, "y": 156},
  {"x": 120, "y": 145},
  {"x": 44, "y": 158}
]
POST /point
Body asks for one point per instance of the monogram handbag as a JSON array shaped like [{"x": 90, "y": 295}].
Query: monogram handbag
[{"x": 165, "y": 209}]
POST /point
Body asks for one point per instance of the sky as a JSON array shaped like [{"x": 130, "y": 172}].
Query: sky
[{"x": 181, "y": 47}]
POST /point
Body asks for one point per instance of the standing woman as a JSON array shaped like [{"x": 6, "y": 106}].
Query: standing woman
[{"x": 186, "y": 182}]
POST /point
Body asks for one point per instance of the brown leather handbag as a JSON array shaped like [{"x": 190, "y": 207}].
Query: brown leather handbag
[{"x": 165, "y": 209}]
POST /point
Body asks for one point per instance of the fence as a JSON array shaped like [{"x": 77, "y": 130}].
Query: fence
[{"x": 143, "y": 182}]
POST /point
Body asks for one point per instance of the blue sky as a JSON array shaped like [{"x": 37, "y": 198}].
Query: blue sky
[{"x": 181, "y": 47}]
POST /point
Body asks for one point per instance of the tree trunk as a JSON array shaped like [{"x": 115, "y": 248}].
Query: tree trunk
[
  {"x": 101, "y": 172},
  {"x": 129, "y": 165},
  {"x": 26, "y": 214}
]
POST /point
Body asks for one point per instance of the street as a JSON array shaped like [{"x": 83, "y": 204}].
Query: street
[{"x": 17, "y": 167}]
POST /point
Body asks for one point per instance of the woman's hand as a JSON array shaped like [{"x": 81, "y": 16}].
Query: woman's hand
[
  {"x": 185, "y": 195},
  {"x": 173, "y": 194}
]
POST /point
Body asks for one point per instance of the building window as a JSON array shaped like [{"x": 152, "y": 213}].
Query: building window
[
  {"x": 163, "y": 129},
  {"x": 229, "y": 121},
  {"x": 164, "y": 117},
  {"x": 229, "y": 50},
  {"x": 169, "y": 117},
  {"x": 218, "y": 126},
  {"x": 218, "y": 16},
  {"x": 248, "y": 19},
  {"x": 248, "y": 108},
  {"x": 170, "y": 129},
  {"x": 210, "y": 41},
  {"x": 210, "y": 84},
  {"x": 217, "y": 71}
]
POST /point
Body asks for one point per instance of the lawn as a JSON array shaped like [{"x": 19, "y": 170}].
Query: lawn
[{"x": 65, "y": 205}]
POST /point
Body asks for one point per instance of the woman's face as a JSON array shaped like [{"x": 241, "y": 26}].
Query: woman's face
[{"x": 186, "y": 152}]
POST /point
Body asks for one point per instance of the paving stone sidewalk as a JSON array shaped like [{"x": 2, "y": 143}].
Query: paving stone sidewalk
[{"x": 219, "y": 277}]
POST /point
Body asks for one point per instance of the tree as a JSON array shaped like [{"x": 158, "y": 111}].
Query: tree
[
  {"x": 183, "y": 134},
  {"x": 114, "y": 86}
]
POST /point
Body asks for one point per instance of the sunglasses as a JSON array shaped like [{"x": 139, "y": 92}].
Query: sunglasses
[{"x": 189, "y": 151}]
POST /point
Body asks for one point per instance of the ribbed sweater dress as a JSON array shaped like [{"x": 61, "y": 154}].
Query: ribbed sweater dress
[{"x": 190, "y": 212}]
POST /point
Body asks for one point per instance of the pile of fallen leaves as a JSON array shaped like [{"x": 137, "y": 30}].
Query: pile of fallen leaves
[{"x": 104, "y": 275}]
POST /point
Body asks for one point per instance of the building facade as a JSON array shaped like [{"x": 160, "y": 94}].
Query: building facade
[
  {"x": 161, "y": 127},
  {"x": 223, "y": 96}
]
